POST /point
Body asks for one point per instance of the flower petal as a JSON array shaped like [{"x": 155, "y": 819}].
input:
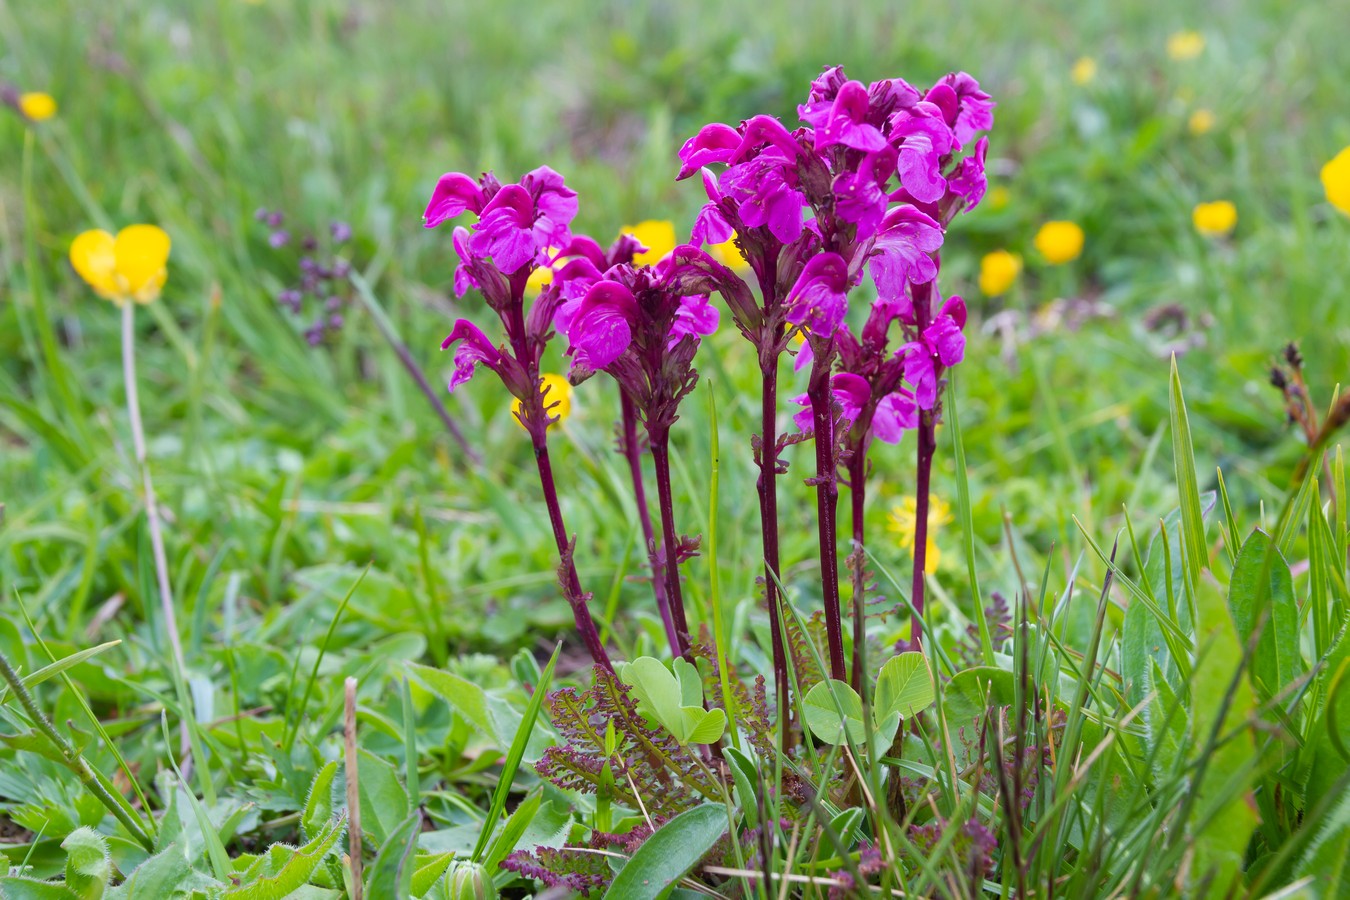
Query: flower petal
[
  {"x": 142, "y": 252},
  {"x": 91, "y": 254}
]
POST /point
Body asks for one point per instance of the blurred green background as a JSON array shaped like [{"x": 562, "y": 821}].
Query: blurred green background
[{"x": 285, "y": 468}]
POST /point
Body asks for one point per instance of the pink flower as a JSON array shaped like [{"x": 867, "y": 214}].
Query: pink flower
[
  {"x": 474, "y": 348},
  {"x": 819, "y": 299}
]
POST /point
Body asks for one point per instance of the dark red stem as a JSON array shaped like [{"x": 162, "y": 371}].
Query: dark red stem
[
  {"x": 827, "y": 499},
  {"x": 768, "y": 521},
  {"x": 633, "y": 453},
  {"x": 570, "y": 582},
  {"x": 926, "y": 445},
  {"x": 669, "y": 542},
  {"x": 857, "y": 482}
]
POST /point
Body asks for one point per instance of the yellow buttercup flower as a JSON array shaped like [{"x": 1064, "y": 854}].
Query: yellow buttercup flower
[
  {"x": 998, "y": 271},
  {"x": 1336, "y": 181},
  {"x": 1215, "y": 219},
  {"x": 728, "y": 254},
  {"x": 1059, "y": 242},
  {"x": 542, "y": 277},
  {"x": 557, "y": 399},
  {"x": 37, "y": 106},
  {"x": 1185, "y": 45},
  {"x": 657, "y": 235},
  {"x": 130, "y": 266},
  {"x": 1084, "y": 70},
  {"x": 904, "y": 521},
  {"x": 1200, "y": 122}
]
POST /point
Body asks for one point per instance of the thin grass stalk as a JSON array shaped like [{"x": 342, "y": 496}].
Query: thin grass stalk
[
  {"x": 88, "y": 777},
  {"x": 633, "y": 454},
  {"x": 827, "y": 499}
]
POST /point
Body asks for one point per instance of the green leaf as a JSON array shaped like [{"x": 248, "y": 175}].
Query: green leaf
[
  {"x": 691, "y": 683},
  {"x": 674, "y": 700},
  {"x": 509, "y": 836},
  {"x": 971, "y": 692},
  {"x": 669, "y": 854},
  {"x": 1222, "y": 818},
  {"x": 1327, "y": 860},
  {"x": 1261, "y": 586},
  {"x": 745, "y": 776},
  {"x": 51, "y": 670},
  {"x": 823, "y": 706},
  {"x": 88, "y": 867},
  {"x": 904, "y": 687},
  {"x": 390, "y": 875},
  {"x": 429, "y": 870},
  {"x": 166, "y": 875},
  {"x": 384, "y": 802},
  {"x": 703, "y": 726},
  {"x": 14, "y": 887},
  {"x": 515, "y": 754},
  {"x": 1195, "y": 554},
  {"x": 319, "y": 802},
  {"x": 282, "y": 870}
]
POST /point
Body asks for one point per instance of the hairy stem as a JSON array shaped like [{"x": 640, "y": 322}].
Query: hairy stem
[
  {"x": 72, "y": 756},
  {"x": 570, "y": 582},
  {"x": 857, "y": 482},
  {"x": 926, "y": 445},
  {"x": 633, "y": 454},
  {"x": 827, "y": 498},
  {"x": 768, "y": 520},
  {"x": 669, "y": 540}
]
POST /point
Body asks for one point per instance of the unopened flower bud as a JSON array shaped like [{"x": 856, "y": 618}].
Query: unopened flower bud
[
  {"x": 1278, "y": 378},
  {"x": 1292, "y": 356},
  {"x": 470, "y": 881},
  {"x": 310, "y": 243},
  {"x": 274, "y": 219},
  {"x": 341, "y": 231},
  {"x": 279, "y": 238}
]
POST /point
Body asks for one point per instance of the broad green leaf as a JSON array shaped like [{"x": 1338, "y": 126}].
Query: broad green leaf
[
  {"x": 16, "y": 887},
  {"x": 669, "y": 854},
  {"x": 822, "y": 707},
  {"x": 168, "y": 875},
  {"x": 282, "y": 870},
  {"x": 319, "y": 802},
  {"x": 88, "y": 867},
  {"x": 904, "y": 687},
  {"x": 515, "y": 754},
  {"x": 656, "y": 690},
  {"x": 1222, "y": 816},
  {"x": 703, "y": 726},
  {"x": 972, "y": 692},
  {"x": 691, "y": 683},
  {"x": 1277, "y": 661},
  {"x": 466, "y": 698},
  {"x": 390, "y": 875},
  {"x": 745, "y": 776},
  {"x": 1327, "y": 859},
  {"x": 384, "y": 802},
  {"x": 1195, "y": 554},
  {"x": 429, "y": 870}
]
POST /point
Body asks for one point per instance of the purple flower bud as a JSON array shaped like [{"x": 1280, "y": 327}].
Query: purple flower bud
[
  {"x": 335, "y": 321},
  {"x": 333, "y": 304},
  {"x": 309, "y": 244},
  {"x": 341, "y": 232},
  {"x": 314, "y": 334},
  {"x": 261, "y": 214},
  {"x": 274, "y": 219},
  {"x": 341, "y": 268},
  {"x": 279, "y": 238},
  {"x": 307, "y": 264}
]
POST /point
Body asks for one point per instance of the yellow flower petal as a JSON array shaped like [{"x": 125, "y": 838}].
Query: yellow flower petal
[
  {"x": 1214, "y": 219},
  {"x": 1200, "y": 122},
  {"x": 1083, "y": 71},
  {"x": 557, "y": 392},
  {"x": 1336, "y": 181},
  {"x": 142, "y": 253},
  {"x": 1059, "y": 242},
  {"x": 728, "y": 254},
  {"x": 657, "y": 235},
  {"x": 91, "y": 254},
  {"x": 1185, "y": 45},
  {"x": 998, "y": 271},
  {"x": 37, "y": 106}
]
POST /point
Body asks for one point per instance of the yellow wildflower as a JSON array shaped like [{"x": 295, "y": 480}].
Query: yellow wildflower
[
  {"x": 657, "y": 235},
  {"x": 1185, "y": 45},
  {"x": 37, "y": 106},
  {"x": 998, "y": 271},
  {"x": 1059, "y": 242},
  {"x": 904, "y": 521},
  {"x": 728, "y": 254},
  {"x": 131, "y": 266},
  {"x": 1336, "y": 180},
  {"x": 1200, "y": 122},
  {"x": 998, "y": 197},
  {"x": 1084, "y": 70},
  {"x": 557, "y": 399},
  {"x": 542, "y": 277},
  {"x": 1214, "y": 219}
]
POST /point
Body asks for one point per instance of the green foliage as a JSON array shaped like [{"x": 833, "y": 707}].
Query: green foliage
[
  {"x": 669, "y": 853},
  {"x": 674, "y": 700}
]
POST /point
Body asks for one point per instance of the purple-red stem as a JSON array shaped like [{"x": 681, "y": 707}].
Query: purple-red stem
[
  {"x": 857, "y": 482},
  {"x": 768, "y": 521},
  {"x": 669, "y": 542},
  {"x": 571, "y": 583},
  {"x": 634, "y": 456},
  {"x": 827, "y": 498},
  {"x": 927, "y": 444}
]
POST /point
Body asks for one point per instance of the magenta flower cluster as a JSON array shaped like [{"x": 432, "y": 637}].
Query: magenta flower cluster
[{"x": 841, "y": 219}]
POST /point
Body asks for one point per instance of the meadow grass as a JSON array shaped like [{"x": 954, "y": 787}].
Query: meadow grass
[{"x": 290, "y": 473}]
